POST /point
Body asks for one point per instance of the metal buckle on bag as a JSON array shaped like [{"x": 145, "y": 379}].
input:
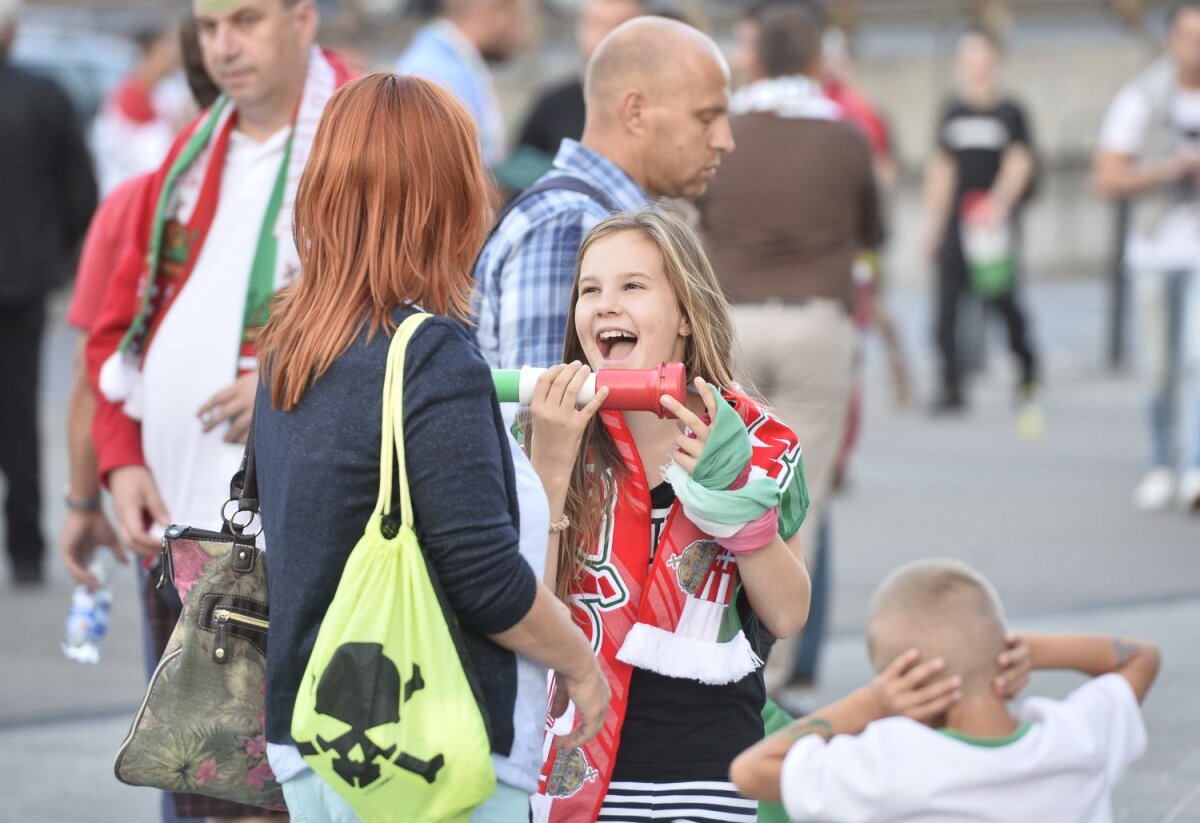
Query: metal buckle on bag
[
  {"x": 242, "y": 557},
  {"x": 242, "y": 554},
  {"x": 241, "y": 526}
]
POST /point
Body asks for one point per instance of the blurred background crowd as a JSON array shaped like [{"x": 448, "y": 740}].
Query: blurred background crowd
[
  {"x": 902, "y": 71},
  {"x": 1067, "y": 58}
]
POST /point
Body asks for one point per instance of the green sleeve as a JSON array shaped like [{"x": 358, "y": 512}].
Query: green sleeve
[{"x": 794, "y": 505}]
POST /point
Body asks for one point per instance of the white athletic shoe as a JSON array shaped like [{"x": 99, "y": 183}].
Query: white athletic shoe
[
  {"x": 1031, "y": 422},
  {"x": 1188, "y": 495},
  {"x": 1030, "y": 419},
  {"x": 1155, "y": 491}
]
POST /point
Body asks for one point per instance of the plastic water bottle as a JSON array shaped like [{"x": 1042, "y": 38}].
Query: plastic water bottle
[{"x": 87, "y": 620}]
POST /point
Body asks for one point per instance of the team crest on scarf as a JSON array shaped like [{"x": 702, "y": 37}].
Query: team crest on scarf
[
  {"x": 705, "y": 571},
  {"x": 177, "y": 243},
  {"x": 571, "y": 771}
]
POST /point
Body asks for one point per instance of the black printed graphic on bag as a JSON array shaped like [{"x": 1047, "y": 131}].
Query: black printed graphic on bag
[{"x": 361, "y": 688}]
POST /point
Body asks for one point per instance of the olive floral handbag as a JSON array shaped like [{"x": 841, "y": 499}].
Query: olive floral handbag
[{"x": 200, "y": 727}]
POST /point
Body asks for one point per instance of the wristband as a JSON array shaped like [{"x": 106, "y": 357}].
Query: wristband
[
  {"x": 755, "y": 535},
  {"x": 90, "y": 505}
]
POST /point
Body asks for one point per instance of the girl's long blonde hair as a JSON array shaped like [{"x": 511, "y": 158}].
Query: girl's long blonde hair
[
  {"x": 709, "y": 353},
  {"x": 392, "y": 209}
]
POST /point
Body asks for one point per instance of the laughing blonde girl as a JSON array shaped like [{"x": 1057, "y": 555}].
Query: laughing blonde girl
[{"x": 676, "y": 547}]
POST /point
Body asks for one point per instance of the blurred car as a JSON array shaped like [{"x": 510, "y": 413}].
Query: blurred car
[{"x": 86, "y": 64}]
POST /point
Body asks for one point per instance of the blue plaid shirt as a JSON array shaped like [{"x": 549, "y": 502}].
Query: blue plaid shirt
[{"x": 524, "y": 274}]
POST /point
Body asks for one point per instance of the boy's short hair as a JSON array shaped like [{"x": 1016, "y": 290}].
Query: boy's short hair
[{"x": 945, "y": 609}]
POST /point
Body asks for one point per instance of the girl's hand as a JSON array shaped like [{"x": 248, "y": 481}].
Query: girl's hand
[
  {"x": 690, "y": 448},
  {"x": 558, "y": 424}
]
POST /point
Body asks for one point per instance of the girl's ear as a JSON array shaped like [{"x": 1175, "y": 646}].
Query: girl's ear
[{"x": 685, "y": 328}]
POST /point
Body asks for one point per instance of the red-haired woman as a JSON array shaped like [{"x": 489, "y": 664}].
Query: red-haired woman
[{"x": 390, "y": 213}]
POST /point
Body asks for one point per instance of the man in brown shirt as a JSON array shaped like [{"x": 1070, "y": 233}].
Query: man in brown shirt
[{"x": 783, "y": 223}]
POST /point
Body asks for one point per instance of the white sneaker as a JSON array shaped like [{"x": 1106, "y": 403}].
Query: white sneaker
[
  {"x": 1155, "y": 491},
  {"x": 1030, "y": 420},
  {"x": 1188, "y": 495}
]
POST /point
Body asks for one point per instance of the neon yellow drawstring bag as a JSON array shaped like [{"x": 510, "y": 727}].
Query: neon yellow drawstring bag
[{"x": 386, "y": 713}]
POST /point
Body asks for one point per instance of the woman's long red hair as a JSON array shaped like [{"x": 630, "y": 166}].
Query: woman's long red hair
[{"x": 392, "y": 209}]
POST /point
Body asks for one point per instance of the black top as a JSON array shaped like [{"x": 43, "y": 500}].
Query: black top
[
  {"x": 559, "y": 112},
  {"x": 678, "y": 729},
  {"x": 977, "y": 138},
  {"x": 47, "y": 190},
  {"x": 318, "y": 477}
]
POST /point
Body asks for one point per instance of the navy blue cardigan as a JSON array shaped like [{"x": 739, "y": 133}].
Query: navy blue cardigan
[{"x": 318, "y": 474}]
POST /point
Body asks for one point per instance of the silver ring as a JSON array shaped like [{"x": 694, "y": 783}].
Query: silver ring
[{"x": 240, "y": 528}]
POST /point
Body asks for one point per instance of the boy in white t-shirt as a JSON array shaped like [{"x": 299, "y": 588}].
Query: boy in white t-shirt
[{"x": 929, "y": 739}]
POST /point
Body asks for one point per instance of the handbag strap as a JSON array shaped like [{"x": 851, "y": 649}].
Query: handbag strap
[
  {"x": 243, "y": 487},
  {"x": 391, "y": 445}
]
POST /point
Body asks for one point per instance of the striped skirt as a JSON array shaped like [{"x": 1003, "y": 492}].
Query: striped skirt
[{"x": 697, "y": 801}]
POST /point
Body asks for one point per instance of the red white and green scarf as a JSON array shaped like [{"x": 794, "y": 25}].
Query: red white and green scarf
[
  {"x": 186, "y": 205},
  {"x": 676, "y": 616}
]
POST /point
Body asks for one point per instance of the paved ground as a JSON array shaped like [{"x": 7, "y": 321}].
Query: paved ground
[{"x": 1049, "y": 521}]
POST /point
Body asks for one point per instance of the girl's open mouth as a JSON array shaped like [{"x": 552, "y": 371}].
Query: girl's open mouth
[{"x": 615, "y": 344}]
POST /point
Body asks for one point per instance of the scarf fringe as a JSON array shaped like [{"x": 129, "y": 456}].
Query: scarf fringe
[{"x": 666, "y": 653}]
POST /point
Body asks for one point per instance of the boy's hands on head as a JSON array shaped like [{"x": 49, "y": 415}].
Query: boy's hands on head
[
  {"x": 1135, "y": 660},
  {"x": 1015, "y": 663},
  {"x": 907, "y": 687},
  {"x": 910, "y": 687}
]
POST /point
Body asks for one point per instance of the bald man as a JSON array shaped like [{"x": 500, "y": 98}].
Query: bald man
[{"x": 657, "y": 93}]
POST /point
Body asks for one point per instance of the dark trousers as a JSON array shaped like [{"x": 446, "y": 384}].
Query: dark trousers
[
  {"x": 21, "y": 327},
  {"x": 954, "y": 288},
  {"x": 812, "y": 636}
]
